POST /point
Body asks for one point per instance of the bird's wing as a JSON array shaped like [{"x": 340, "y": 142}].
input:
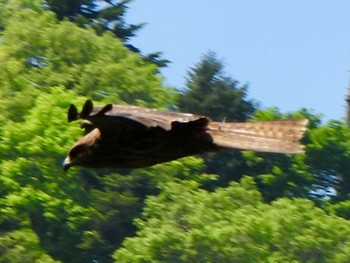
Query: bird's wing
[
  {"x": 274, "y": 136},
  {"x": 113, "y": 118}
]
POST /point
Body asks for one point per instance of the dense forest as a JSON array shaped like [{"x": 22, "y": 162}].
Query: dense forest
[{"x": 227, "y": 207}]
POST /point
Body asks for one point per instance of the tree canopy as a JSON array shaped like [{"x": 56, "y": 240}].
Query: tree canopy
[
  {"x": 49, "y": 64},
  {"x": 102, "y": 16},
  {"x": 229, "y": 207},
  {"x": 232, "y": 224},
  {"x": 210, "y": 92}
]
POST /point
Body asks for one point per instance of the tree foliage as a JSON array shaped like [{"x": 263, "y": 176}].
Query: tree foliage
[
  {"x": 210, "y": 92},
  {"x": 186, "y": 224},
  {"x": 35, "y": 193},
  {"x": 328, "y": 158},
  {"x": 41, "y": 53},
  {"x": 102, "y": 16},
  {"x": 174, "y": 212},
  {"x": 48, "y": 65}
]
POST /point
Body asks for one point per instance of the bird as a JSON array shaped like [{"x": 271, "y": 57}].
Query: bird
[{"x": 124, "y": 136}]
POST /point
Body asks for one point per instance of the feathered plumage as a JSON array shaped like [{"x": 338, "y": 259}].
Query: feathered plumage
[{"x": 132, "y": 137}]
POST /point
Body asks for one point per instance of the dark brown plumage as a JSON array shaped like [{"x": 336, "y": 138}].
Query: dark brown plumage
[{"x": 132, "y": 137}]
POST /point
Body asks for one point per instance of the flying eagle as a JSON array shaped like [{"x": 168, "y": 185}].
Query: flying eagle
[{"x": 132, "y": 137}]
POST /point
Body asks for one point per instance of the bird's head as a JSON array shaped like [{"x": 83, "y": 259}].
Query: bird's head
[{"x": 83, "y": 151}]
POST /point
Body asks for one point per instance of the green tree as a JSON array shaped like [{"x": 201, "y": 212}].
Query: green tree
[
  {"x": 328, "y": 156},
  {"x": 210, "y": 92},
  {"x": 39, "y": 52},
  {"x": 47, "y": 65},
  {"x": 186, "y": 224},
  {"x": 22, "y": 246},
  {"x": 75, "y": 218},
  {"x": 100, "y": 15},
  {"x": 35, "y": 193},
  {"x": 121, "y": 200},
  {"x": 103, "y": 16},
  {"x": 282, "y": 175},
  {"x": 321, "y": 172},
  {"x": 83, "y": 215}
]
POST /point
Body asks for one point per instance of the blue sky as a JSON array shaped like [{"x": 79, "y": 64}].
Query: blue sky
[{"x": 293, "y": 54}]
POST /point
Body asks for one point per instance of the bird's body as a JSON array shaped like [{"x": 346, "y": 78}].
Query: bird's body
[
  {"x": 134, "y": 137},
  {"x": 150, "y": 147}
]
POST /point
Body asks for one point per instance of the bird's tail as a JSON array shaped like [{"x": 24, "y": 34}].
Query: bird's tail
[{"x": 272, "y": 136}]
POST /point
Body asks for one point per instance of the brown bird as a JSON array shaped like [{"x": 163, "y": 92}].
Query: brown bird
[{"x": 132, "y": 137}]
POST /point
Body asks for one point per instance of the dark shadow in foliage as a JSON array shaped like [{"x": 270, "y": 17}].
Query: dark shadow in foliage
[
  {"x": 118, "y": 200},
  {"x": 276, "y": 176}
]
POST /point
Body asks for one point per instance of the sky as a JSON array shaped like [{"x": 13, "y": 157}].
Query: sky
[{"x": 292, "y": 53}]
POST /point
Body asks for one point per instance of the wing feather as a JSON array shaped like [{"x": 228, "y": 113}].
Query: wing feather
[{"x": 274, "y": 136}]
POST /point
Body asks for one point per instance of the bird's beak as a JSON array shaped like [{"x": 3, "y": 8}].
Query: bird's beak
[{"x": 66, "y": 164}]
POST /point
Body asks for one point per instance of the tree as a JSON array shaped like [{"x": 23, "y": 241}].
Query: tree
[
  {"x": 329, "y": 159},
  {"x": 35, "y": 193},
  {"x": 61, "y": 54},
  {"x": 100, "y": 15},
  {"x": 281, "y": 175},
  {"x": 186, "y": 224},
  {"x": 69, "y": 216},
  {"x": 83, "y": 215},
  {"x": 103, "y": 16},
  {"x": 211, "y": 93},
  {"x": 22, "y": 246},
  {"x": 48, "y": 65}
]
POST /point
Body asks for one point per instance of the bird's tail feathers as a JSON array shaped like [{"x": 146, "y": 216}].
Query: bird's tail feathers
[{"x": 272, "y": 136}]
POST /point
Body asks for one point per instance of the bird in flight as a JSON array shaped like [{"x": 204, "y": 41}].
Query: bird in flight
[{"x": 119, "y": 136}]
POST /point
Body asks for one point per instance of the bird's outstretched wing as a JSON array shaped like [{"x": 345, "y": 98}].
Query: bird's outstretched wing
[
  {"x": 113, "y": 118},
  {"x": 281, "y": 136}
]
